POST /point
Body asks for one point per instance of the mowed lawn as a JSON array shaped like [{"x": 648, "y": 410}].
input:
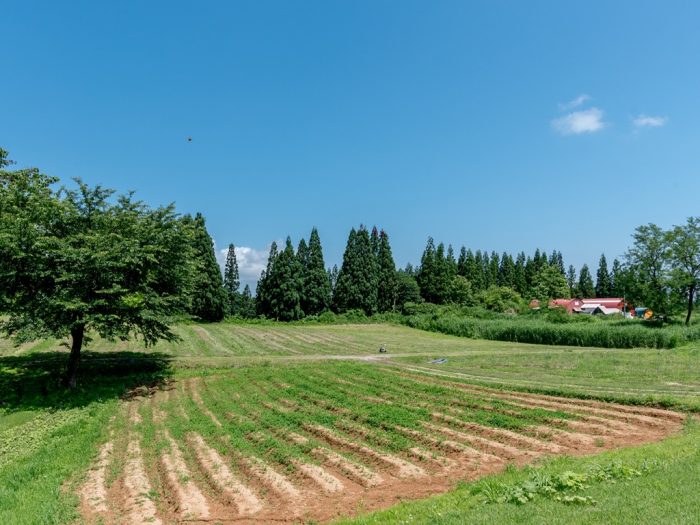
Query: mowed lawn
[{"x": 285, "y": 393}]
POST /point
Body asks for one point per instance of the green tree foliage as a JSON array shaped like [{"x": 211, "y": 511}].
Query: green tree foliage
[
  {"x": 407, "y": 289},
  {"x": 285, "y": 284},
  {"x": 461, "y": 291},
  {"x": 479, "y": 277},
  {"x": 617, "y": 280},
  {"x": 647, "y": 260},
  {"x": 500, "y": 299},
  {"x": 571, "y": 281},
  {"x": 356, "y": 287},
  {"x": 585, "y": 283},
  {"x": 603, "y": 285},
  {"x": 520, "y": 275},
  {"x": 302, "y": 256},
  {"x": 506, "y": 272},
  {"x": 262, "y": 303},
  {"x": 386, "y": 282},
  {"x": 247, "y": 304},
  {"x": 79, "y": 261},
  {"x": 208, "y": 294},
  {"x": 316, "y": 295},
  {"x": 549, "y": 283},
  {"x": 231, "y": 281},
  {"x": 684, "y": 244}
]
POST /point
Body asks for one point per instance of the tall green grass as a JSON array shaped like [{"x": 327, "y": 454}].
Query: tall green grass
[{"x": 623, "y": 334}]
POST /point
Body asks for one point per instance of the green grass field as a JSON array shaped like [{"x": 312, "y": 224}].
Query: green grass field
[{"x": 314, "y": 414}]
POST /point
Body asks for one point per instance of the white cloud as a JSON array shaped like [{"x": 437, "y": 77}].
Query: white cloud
[
  {"x": 645, "y": 121},
  {"x": 578, "y": 122},
  {"x": 581, "y": 99},
  {"x": 250, "y": 261}
]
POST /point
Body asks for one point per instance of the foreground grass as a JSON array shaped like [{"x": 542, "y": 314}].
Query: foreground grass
[{"x": 667, "y": 493}]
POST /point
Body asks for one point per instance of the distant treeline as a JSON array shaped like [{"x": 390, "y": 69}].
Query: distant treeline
[{"x": 661, "y": 271}]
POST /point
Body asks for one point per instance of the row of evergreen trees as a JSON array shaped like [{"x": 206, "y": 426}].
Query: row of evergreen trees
[
  {"x": 296, "y": 283},
  {"x": 443, "y": 278}
]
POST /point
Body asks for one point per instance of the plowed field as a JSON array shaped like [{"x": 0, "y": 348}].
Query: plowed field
[{"x": 316, "y": 442}]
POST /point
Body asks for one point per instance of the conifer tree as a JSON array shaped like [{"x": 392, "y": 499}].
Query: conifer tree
[
  {"x": 357, "y": 280},
  {"x": 302, "y": 256},
  {"x": 451, "y": 261},
  {"x": 585, "y": 283},
  {"x": 231, "y": 281},
  {"x": 208, "y": 295},
  {"x": 333, "y": 279},
  {"x": 386, "y": 283},
  {"x": 262, "y": 303},
  {"x": 427, "y": 271},
  {"x": 479, "y": 279},
  {"x": 247, "y": 304},
  {"x": 462, "y": 262},
  {"x": 519, "y": 275},
  {"x": 571, "y": 280},
  {"x": 374, "y": 241},
  {"x": 494, "y": 266},
  {"x": 316, "y": 281},
  {"x": 284, "y": 286},
  {"x": 442, "y": 279},
  {"x": 506, "y": 272},
  {"x": 617, "y": 281},
  {"x": 602, "y": 286}
]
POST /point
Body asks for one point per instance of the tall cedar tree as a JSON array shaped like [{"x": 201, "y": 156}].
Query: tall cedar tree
[
  {"x": 76, "y": 262},
  {"x": 285, "y": 286},
  {"x": 303, "y": 260},
  {"x": 208, "y": 295},
  {"x": 356, "y": 287},
  {"x": 387, "y": 283},
  {"x": 462, "y": 262},
  {"x": 585, "y": 283},
  {"x": 602, "y": 284},
  {"x": 571, "y": 280},
  {"x": 317, "y": 284},
  {"x": 617, "y": 278},
  {"x": 262, "y": 302},
  {"x": 506, "y": 272},
  {"x": 478, "y": 279},
  {"x": 231, "y": 281},
  {"x": 520, "y": 276}
]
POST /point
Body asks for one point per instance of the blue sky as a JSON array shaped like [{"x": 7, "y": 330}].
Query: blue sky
[{"x": 500, "y": 125}]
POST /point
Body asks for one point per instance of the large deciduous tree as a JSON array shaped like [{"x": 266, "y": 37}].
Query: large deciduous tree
[
  {"x": 684, "y": 244},
  {"x": 74, "y": 262}
]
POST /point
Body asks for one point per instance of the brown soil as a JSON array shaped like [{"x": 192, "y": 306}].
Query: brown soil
[{"x": 353, "y": 473}]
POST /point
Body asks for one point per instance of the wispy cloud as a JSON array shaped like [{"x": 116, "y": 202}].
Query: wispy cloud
[
  {"x": 578, "y": 122},
  {"x": 571, "y": 104},
  {"x": 646, "y": 121}
]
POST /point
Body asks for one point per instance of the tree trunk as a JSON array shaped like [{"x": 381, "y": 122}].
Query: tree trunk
[
  {"x": 77, "y": 333},
  {"x": 691, "y": 296}
]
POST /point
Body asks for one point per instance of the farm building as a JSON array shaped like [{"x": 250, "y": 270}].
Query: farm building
[{"x": 601, "y": 305}]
